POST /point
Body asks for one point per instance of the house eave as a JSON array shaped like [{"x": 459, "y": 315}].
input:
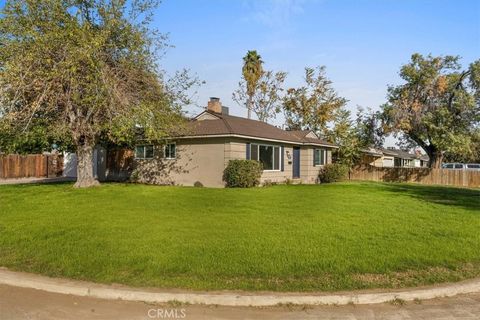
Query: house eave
[
  {"x": 372, "y": 153},
  {"x": 254, "y": 138}
]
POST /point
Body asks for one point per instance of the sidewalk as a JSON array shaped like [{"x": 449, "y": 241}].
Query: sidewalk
[{"x": 36, "y": 180}]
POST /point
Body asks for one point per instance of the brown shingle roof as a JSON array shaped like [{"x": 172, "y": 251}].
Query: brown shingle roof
[
  {"x": 372, "y": 151},
  {"x": 232, "y": 125}
]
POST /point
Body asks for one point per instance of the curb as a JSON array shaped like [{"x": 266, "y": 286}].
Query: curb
[{"x": 113, "y": 292}]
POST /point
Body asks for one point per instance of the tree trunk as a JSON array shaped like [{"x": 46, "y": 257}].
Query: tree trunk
[
  {"x": 85, "y": 176},
  {"x": 436, "y": 158},
  {"x": 249, "y": 107}
]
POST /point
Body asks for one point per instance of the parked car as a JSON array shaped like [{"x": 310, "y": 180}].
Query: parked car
[
  {"x": 458, "y": 166},
  {"x": 473, "y": 166},
  {"x": 462, "y": 166}
]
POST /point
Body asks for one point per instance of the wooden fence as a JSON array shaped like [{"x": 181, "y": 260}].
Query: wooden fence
[
  {"x": 119, "y": 164},
  {"x": 459, "y": 178},
  {"x": 15, "y": 166}
]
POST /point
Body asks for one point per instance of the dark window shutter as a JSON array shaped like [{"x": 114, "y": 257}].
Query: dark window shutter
[
  {"x": 314, "y": 156},
  {"x": 248, "y": 151},
  {"x": 282, "y": 151}
]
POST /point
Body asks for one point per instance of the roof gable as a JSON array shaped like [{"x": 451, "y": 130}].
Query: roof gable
[
  {"x": 205, "y": 115},
  {"x": 311, "y": 134}
]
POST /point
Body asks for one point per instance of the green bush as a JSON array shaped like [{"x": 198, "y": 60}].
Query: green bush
[
  {"x": 242, "y": 173},
  {"x": 198, "y": 184},
  {"x": 333, "y": 172}
]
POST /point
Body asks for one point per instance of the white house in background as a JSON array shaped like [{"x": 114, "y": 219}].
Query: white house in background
[
  {"x": 391, "y": 157},
  {"x": 388, "y": 158}
]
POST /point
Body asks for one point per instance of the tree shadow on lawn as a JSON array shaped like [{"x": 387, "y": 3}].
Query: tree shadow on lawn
[{"x": 466, "y": 198}]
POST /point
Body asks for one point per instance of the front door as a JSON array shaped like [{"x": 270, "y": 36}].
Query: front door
[{"x": 296, "y": 162}]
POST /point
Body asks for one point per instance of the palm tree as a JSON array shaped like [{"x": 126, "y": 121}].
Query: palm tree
[{"x": 252, "y": 71}]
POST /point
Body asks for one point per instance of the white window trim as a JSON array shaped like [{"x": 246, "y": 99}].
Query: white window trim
[
  {"x": 144, "y": 152},
  {"x": 165, "y": 151},
  {"x": 273, "y": 155},
  {"x": 324, "y": 157}
]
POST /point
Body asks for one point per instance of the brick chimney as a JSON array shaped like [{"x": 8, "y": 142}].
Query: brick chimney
[{"x": 214, "y": 105}]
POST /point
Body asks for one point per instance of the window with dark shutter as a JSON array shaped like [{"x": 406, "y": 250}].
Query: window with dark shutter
[
  {"x": 254, "y": 152},
  {"x": 282, "y": 152},
  {"x": 319, "y": 157},
  {"x": 316, "y": 157},
  {"x": 276, "y": 158}
]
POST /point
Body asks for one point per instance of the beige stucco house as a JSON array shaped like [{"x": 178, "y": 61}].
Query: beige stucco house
[{"x": 214, "y": 138}]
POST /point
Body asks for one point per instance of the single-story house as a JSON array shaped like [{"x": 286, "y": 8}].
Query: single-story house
[
  {"x": 421, "y": 161},
  {"x": 391, "y": 157},
  {"x": 371, "y": 156},
  {"x": 214, "y": 138}
]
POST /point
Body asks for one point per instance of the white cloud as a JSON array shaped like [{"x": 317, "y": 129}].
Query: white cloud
[{"x": 274, "y": 13}]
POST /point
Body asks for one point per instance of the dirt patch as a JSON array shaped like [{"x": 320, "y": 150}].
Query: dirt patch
[{"x": 412, "y": 278}]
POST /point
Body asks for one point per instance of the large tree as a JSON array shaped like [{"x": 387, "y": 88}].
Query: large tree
[
  {"x": 437, "y": 106},
  {"x": 369, "y": 127},
  {"x": 267, "y": 97},
  {"x": 85, "y": 68},
  {"x": 346, "y": 136},
  {"x": 36, "y": 139},
  {"x": 314, "y": 105},
  {"x": 252, "y": 70},
  {"x": 473, "y": 156}
]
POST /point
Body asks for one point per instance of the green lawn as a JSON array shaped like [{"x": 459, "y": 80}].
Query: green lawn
[{"x": 286, "y": 238}]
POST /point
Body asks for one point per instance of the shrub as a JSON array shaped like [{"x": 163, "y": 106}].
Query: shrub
[
  {"x": 269, "y": 183},
  {"x": 242, "y": 173},
  {"x": 333, "y": 172},
  {"x": 135, "y": 176}
]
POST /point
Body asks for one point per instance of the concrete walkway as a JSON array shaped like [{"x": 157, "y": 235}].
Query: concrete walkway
[
  {"x": 36, "y": 180},
  {"x": 116, "y": 292},
  {"x": 22, "y": 304}
]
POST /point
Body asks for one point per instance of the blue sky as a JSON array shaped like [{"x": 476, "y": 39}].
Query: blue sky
[{"x": 362, "y": 43}]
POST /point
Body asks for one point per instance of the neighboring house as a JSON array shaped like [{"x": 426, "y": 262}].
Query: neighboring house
[
  {"x": 372, "y": 156},
  {"x": 421, "y": 161},
  {"x": 388, "y": 158},
  {"x": 215, "y": 137},
  {"x": 391, "y": 157}
]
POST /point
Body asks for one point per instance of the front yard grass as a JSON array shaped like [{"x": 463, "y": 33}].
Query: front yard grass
[{"x": 283, "y": 238}]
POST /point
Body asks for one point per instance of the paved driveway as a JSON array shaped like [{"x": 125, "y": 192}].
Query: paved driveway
[{"x": 18, "y": 303}]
